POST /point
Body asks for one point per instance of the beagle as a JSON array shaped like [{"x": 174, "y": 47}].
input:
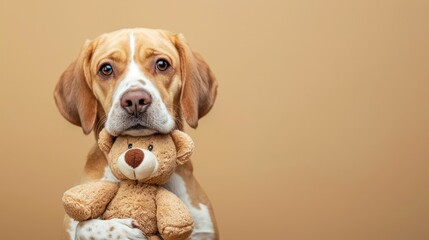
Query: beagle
[{"x": 138, "y": 82}]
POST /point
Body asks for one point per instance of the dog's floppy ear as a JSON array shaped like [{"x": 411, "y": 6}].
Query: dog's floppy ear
[
  {"x": 73, "y": 97},
  {"x": 184, "y": 146},
  {"x": 105, "y": 141},
  {"x": 199, "y": 85}
]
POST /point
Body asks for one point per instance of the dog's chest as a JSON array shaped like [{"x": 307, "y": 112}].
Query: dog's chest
[{"x": 137, "y": 201}]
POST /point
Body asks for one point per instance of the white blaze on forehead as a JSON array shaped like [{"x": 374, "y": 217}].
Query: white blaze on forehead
[
  {"x": 132, "y": 46},
  {"x": 134, "y": 78}
]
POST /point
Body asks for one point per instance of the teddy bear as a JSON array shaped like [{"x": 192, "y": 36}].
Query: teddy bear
[{"x": 142, "y": 165}]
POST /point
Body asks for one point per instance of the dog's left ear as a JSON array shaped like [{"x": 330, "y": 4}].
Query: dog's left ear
[
  {"x": 199, "y": 85},
  {"x": 184, "y": 146}
]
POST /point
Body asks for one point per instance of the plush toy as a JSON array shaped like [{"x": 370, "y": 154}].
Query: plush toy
[{"x": 141, "y": 164}]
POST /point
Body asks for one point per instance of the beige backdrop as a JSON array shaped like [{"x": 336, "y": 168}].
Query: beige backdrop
[{"x": 320, "y": 130}]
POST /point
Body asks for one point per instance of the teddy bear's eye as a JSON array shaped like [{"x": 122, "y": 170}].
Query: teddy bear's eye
[
  {"x": 130, "y": 146},
  {"x": 150, "y": 147}
]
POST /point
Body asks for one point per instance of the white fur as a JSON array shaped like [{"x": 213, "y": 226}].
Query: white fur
[
  {"x": 132, "y": 46},
  {"x": 202, "y": 220},
  {"x": 148, "y": 166},
  {"x": 72, "y": 228},
  {"x": 107, "y": 229},
  {"x": 156, "y": 118}
]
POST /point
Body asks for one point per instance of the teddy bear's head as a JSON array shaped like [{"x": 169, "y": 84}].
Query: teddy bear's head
[{"x": 150, "y": 159}]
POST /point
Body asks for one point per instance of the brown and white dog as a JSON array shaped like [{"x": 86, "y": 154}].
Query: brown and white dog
[{"x": 138, "y": 82}]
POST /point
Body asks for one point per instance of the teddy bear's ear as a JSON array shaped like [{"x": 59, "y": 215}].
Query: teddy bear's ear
[
  {"x": 184, "y": 146},
  {"x": 105, "y": 141}
]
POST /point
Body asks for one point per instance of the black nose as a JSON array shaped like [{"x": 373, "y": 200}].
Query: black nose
[{"x": 136, "y": 101}]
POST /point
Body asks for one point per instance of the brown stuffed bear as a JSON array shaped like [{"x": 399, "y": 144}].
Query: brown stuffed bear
[{"x": 141, "y": 164}]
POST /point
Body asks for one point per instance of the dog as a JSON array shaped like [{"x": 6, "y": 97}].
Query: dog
[{"x": 138, "y": 82}]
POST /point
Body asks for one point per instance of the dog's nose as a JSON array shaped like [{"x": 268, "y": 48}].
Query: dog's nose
[
  {"x": 134, "y": 157},
  {"x": 136, "y": 101}
]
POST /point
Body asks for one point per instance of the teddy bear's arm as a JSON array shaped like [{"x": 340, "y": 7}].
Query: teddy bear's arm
[
  {"x": 174, "y": 219},
  {"x": 89, "y": 200}
]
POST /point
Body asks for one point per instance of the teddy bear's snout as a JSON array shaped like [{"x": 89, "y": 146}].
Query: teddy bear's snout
[{"x": 134, "y": 157}]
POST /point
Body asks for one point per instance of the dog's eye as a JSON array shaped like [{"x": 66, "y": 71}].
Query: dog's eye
[
  {"x": 162, "y": 65},
  {"x": 150, "y": 147},
  {"x": 106, "y": 69},
  {"x": 130, "y": 146}
]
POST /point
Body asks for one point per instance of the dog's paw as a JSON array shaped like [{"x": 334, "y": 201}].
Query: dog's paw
[
  {"x": 203, "y": 236},
  {"x": 97, "y": 229}
]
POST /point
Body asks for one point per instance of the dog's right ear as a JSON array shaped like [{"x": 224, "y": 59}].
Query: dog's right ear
[
  {"x": 73, "y": 96},
  {"x": 105, "y": 141}
]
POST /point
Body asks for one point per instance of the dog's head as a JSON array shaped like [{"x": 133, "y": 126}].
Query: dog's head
[{"x": 136, "y": 82}]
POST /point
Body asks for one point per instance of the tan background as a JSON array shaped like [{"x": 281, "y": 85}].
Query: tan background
[{"x": 320, "y": 131}]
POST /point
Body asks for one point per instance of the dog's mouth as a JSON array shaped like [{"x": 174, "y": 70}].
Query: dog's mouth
[
  {"x": 137, "y": 127},
  {"x": 139, "y": 130}
]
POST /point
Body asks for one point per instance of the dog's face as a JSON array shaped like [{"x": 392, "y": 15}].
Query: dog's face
[{"x": 136, "y": 82}]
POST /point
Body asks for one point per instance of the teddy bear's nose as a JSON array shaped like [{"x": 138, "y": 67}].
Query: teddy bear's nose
[{"x": 134, "y": 157}]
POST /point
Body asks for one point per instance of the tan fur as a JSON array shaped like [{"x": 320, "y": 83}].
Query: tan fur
[
  {"x": 199, "y": 86},
  {"x": 192, "y": 186},
  {"x": 154, "y": 209},
  {"x": 72, "y": 94},
  {"x": 94, "y": 168},
  {"x": 188, "y": 91}
]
